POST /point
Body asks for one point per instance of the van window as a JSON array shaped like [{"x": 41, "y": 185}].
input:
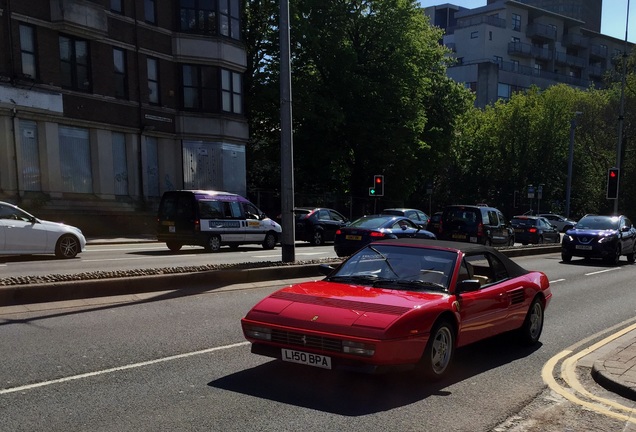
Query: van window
[
  {"x": 251, "y": 212},
  {"x": 234, "y": 210},
  {"x": 211, "y": 209}
]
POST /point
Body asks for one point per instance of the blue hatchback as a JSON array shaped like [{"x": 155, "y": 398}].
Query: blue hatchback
[{"x": 595, "y": 236}]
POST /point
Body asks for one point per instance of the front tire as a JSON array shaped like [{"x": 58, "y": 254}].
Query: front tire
[
  {"x": 630, "y": 257},
  {"x": 532, "y": 326},
  {"x": 174, "y": 246},
  {"x": 270, "y": 241},
  {"x": 213, "y": 244},
  {"x": 439, "y": 351},
  {"x": 67, "y": 246},
  {"x": 566, "y": 257},
  {"x": 615, "y": 257}
]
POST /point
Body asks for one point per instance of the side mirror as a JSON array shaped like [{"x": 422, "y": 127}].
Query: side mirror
[
  {"x": 468, "y": 285},
  {"x": 325, "y": 269}
]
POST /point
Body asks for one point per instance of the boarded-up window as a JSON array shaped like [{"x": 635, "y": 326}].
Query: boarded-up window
[
  {"x": 75, "y": 160},
  {"x": 120, "y": 166},
  {"x": 30, "y": 157}
]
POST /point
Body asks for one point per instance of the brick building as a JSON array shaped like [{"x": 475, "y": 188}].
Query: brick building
[{"x": 105, "y": 104}]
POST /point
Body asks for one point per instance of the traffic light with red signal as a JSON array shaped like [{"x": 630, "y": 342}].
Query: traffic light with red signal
[
  {"x": 613, "y": 175},
  {"x": 378, "y": 186}
]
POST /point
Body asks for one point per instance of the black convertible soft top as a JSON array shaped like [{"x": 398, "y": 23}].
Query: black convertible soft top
[{"x": 514, "y": 269}]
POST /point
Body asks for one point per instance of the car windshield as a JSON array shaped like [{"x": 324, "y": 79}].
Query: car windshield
[
  {"x": 598, "y": 223},
  {"x": 398, "y": 267}
]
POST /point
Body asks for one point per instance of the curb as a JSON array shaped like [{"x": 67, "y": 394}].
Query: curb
[
  {"x": 611, "y": 381},
  {"x": 183, "y": 283}
]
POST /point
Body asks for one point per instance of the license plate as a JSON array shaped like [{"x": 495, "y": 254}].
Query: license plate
[
  {"x": 171, "y": 229},
  {"x": 459, "y": 236},
  {"x": 353, "y": 237},
  {"x": 518, "y": 230},
  {"x": 583, "y": 247},
  {"x": 309, "y": 359}
]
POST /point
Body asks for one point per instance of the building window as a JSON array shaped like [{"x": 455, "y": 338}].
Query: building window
[
  {"x": 515, "y": 65},
  {"x": 150, "y": 13},
  {"x": 229, "y": 18},
  {"x": 121, "y": 77},
  {"x": 516, "y": 22},
  {"x": 499, "y": 61},
  {"x": 474, "y": 35},
  {"x": 30, "y": 156},
  {"x": 198, "y": 16},
  {"x": 116, "y": 6},
  {"x": 74, "y": 63},
  {"x": 27, "y": 51},
  {"x": 503, "y": 91},
  {"x": 200, "y": 88},
  {"x": 120, "y": 164},
  {"x": 232, "y": 93},
  {"x": 75, "y": 160},
  {"x": 538, "y": 67},
  {"x": 153, "y": 80}
]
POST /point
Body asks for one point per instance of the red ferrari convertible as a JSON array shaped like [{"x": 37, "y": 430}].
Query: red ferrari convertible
[{"x": 398, "y": 304}]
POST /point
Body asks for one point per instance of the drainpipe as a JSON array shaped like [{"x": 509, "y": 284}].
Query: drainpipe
[
  {"x": 140, "y": 165},
  {"x": 14, "y": 130}
]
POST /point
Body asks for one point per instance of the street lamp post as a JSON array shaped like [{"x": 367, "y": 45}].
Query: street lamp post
[
  {"x": 621, "y": 113},
  {"x": 568, "y": 189}
]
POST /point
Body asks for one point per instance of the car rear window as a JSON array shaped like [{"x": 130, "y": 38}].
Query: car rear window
[
  {"x": 523, "y": 221},
  {"x": 466, "y": 216},
  {"x": 370, "y": 222}
]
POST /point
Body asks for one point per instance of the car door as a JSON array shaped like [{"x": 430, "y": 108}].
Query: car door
[
  {"x": 22, "y": 233},
  {"x": 482, "y": 311},
  {"x": 627, "y": 235},
  {"x": 550, "y": 232},
  {"x": 334, "y": 221}
]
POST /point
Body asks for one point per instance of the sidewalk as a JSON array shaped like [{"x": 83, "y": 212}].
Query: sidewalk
[{"x": 616, "y": 369}]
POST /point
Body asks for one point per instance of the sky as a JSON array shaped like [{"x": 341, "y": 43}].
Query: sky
[{"x": 613, "y": 16}]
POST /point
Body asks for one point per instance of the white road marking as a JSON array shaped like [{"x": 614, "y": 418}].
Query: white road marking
[
  {"x": 119, "y": 368},
  {"x": 556, "y": 280},
  {"x": 602, "y": 271}
]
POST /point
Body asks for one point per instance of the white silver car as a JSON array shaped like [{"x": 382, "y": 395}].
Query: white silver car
[
  {"x": 23, "y": 234},
  {"x": 561, "y": 222}
]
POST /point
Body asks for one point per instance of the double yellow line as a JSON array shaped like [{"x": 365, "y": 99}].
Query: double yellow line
[{"x": 575, "y": 392}]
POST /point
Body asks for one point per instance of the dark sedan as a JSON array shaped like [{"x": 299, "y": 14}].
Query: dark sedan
[
  {"x": 534, "y": 230},
  {"x": 595, "y": 236},
  {"x": 317, "y": 225},
  {"x": 376, "y": 227}
]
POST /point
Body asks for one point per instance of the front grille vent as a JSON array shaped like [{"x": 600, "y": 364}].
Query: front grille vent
[{"x": 306, "y": 341}]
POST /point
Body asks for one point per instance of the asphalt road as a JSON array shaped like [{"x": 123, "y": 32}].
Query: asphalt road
[{"x": 181, "y": 364}]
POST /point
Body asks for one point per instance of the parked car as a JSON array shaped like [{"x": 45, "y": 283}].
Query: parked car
[
  {"x": 534, "y": 230},
  {"x": 24, "y": 234},
  {"x": 317, "y": 224},
  {"x": 376, "y": 227},
  {"x": 400, "y": 304},
  {"x": 417, "y": 216},
  {"x": 475, "y": 224},
  {"x": 433, "y": 223},
  {"x": 596, "y": 236},
  {"x": 561, "y": 222}
]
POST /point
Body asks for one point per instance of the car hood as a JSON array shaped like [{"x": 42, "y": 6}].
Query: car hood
[
  {"x": 591, "y": 232},
  {"x": 328, "y": 306}
]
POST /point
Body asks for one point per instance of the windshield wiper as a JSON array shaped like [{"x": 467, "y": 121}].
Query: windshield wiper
[
  {"x": 356, "y": 278},
  {"x": 414, "y": 283},
  {"x": 386, "y": 260}
]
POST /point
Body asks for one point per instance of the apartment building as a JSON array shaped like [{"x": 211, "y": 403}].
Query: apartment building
[
  {"x": 105, "y": 104},
  {"x": 508, "y": 46},
  {"x": 588, "y": 11}
]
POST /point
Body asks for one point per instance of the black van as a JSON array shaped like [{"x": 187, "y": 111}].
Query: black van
[
  {"x": 212, "y": 218},
  {"x": 475, "y": 224}
]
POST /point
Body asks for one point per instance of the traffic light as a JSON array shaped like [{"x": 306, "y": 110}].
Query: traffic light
[
  {"x": 378, "y": 185},
  {"x": 612, "y": 183}
]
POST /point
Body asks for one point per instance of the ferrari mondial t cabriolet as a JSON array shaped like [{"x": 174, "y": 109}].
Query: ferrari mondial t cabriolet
[{"x": 400, "y": 304}]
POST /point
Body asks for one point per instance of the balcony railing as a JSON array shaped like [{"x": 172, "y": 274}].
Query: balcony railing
[
  {"x": 541, "y": 31},
  {"x": 475, "y": 21},
  {"x": 570, "y": 60},
  {"x": 576, "y": 40},
  {"x": 527, "y": 50},
  {"x": 598, "y": 51}
]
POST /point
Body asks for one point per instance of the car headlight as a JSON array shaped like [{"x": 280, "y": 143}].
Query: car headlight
[
  {"x": 358, "y": 348},
  {"x": 607, "y": 239},
  {"x": 255, "y": 332}
]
